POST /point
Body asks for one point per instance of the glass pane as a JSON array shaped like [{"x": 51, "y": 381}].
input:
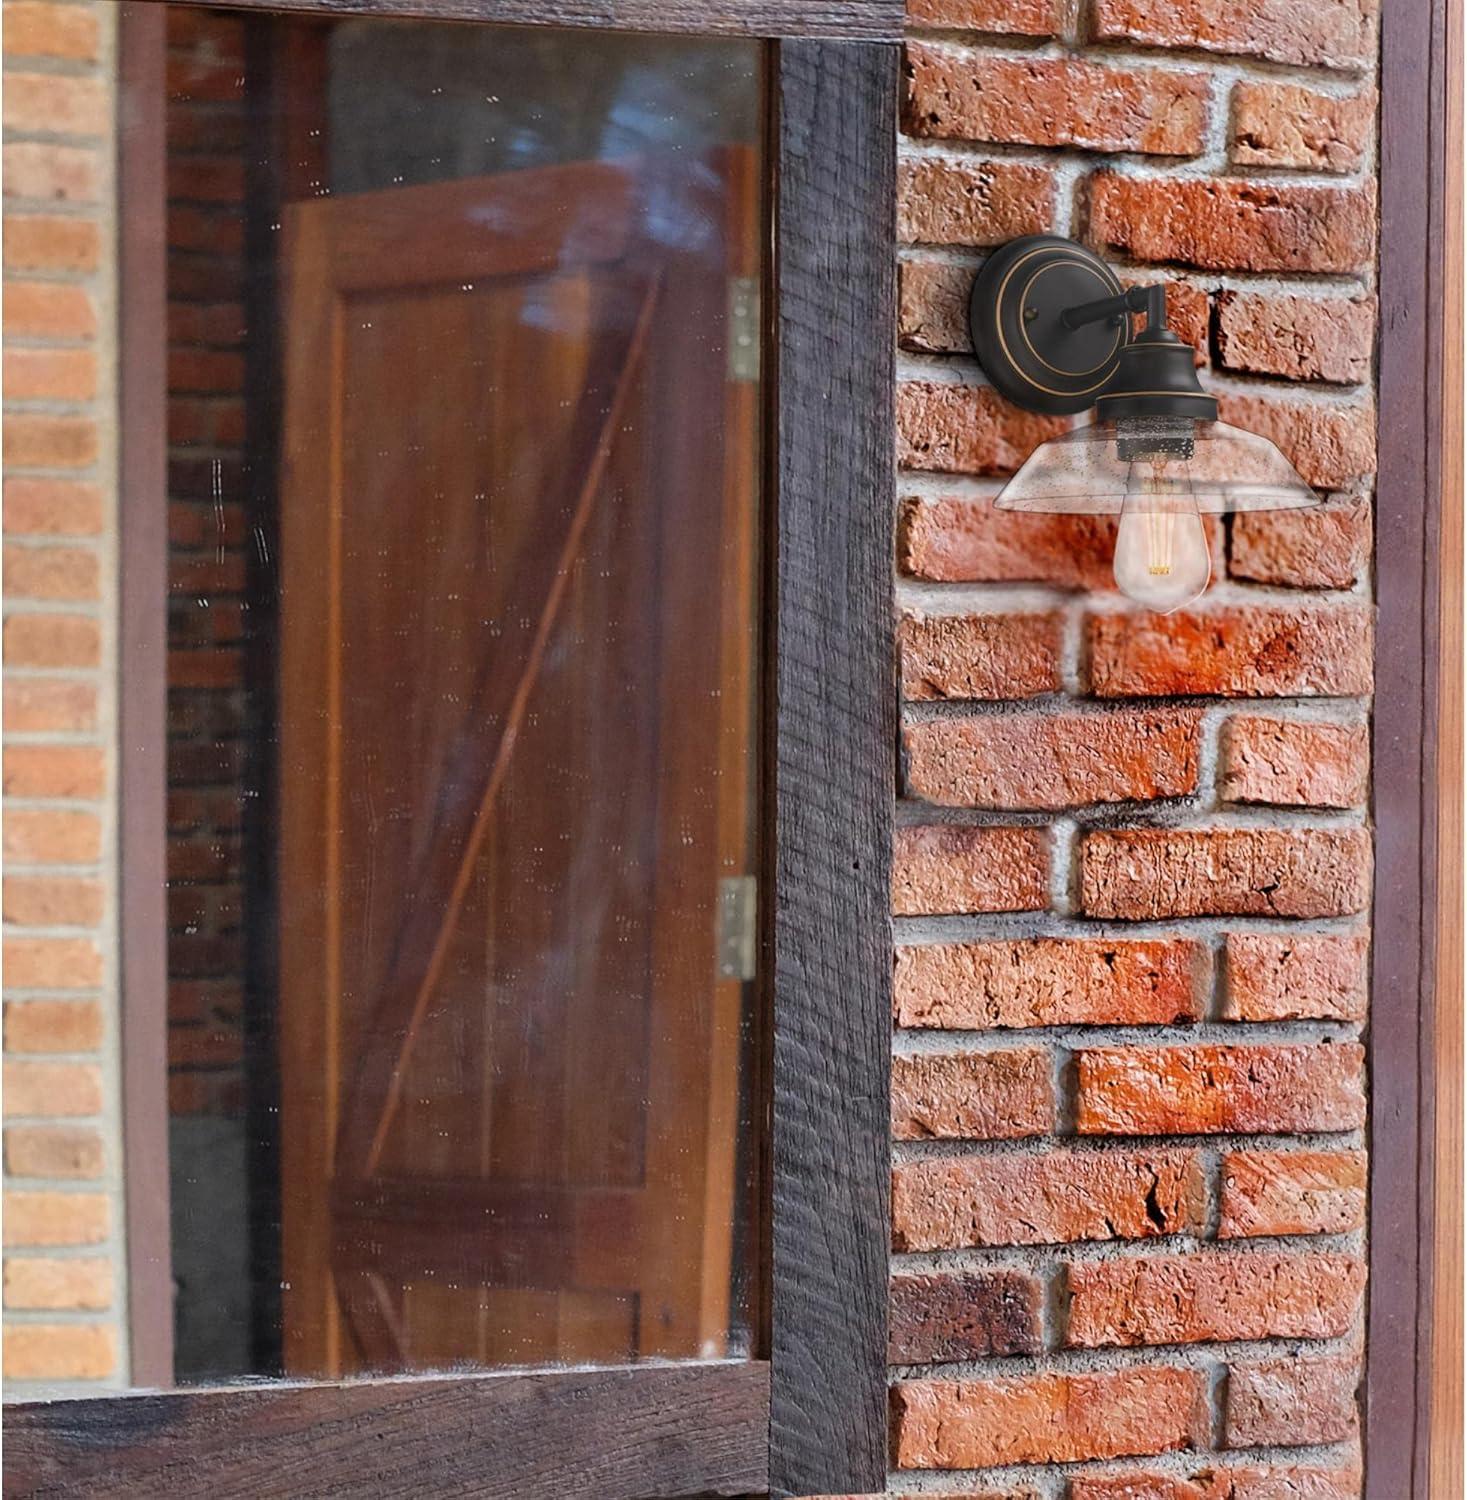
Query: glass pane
[{"x": 463, "y": 415}]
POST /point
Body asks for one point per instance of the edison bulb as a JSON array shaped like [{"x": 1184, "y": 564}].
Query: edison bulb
[{"x": 1161, "y": 558}]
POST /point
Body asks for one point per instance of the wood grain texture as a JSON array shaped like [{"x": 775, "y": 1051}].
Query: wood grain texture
[
  {"x": 637, "y": 1433},
  {"x": 835, "y": 699},
  {"x": 142, "y": 706},
  {"x": 850, "y": 20},
  {"x": 1412, "y": 1234}
]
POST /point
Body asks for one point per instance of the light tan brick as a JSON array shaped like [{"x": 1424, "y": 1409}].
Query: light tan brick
[
  {"x": 59, "y": 1151},
  {"x": 46, "y": 836},
  {"x": 73, "y": 1284},
  {"x": 45, "y": 1219},
  {"x": 59, "y": 1089}
]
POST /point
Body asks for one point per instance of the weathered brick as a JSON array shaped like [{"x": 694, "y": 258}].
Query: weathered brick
[
  {"x": 1147, "y": 873},
  {"x": 953, "y": 868},
  {"x": 1339, "y": 1481},
  {"x": 44, "y": 242},
  {"x": 1055, "y": 760},
  {"x": 963, "y": 541},
  {"x": 52, "y": 507},
  {"x": 59, "y": 1089},
  {"x": 1325, "y": 547},
  {"x": 1015, "y": 17},
  {"x": 48, "y": 836},
  {"x": 1301, "y": 338},
  {"x": 52, "y": 640},
  {"x": 54, "y": 1285},
  {"x": 932, "y": 306},
  {"x": 49, "y": 310},
  {"x": 59, "y": 1351},
  {"x": 1292, "y": 1192},
  {"x": 1049, "y": 1198},
  {"x": 1228, "y": 224},
  {"x": 45, "y": 1219},
  {"x": 1330, "y": 444},
  {"x": 1303, "y": 976},
  {"x": 1292, "y": 125},
  {"x": 39, "y": 28},
  {"x": 1290, "y": 762},
  {"x": 1050, "y": 982},
  {"x": 63, "y": 174},
  {"x": 961, "y": 429},
  {"x": 1188, "y": 1299},
  {"x": 52, "y": 1025},
  {"x": 1243, "y": 651},
  {"x": 54, "y": 771},
  {"x": 55, "y": 103},
  {"x": 950, "y": 202},
  {"x": 971, "y": 1095},
  {"x": 977, "y": 1424},
  {"x": 1190, "y": 1090},
  {"x": 1188, "y": 311},
  {"x": 63, "y": 1151},
  {"x": 1291, "y": 1401},
  {"x": 980, "y": 656},
  {"x": 958, "y": 93},
  {"x": 1132, "y": 1485},
  {"x": 1290, "y": 31},
  {"x": 937, "y": 1319}
]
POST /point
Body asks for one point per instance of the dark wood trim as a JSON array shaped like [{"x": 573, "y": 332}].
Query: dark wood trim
[
  {"x": 847, "y": 20},
  {"x": 1414, "y": 1008},
  {"x": 636, "y": 1433},
  {"x": 834, "y": 756},
  {"x": 142, "y": 706}
]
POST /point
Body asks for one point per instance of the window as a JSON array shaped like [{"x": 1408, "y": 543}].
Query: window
[{"x": 506, "y": 547}]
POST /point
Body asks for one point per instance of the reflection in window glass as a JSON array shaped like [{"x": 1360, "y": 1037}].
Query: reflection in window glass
[{"x": 464, "y": 451}]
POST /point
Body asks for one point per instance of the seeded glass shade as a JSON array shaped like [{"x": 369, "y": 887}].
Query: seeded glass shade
[{"x": 1094, "y": 470}]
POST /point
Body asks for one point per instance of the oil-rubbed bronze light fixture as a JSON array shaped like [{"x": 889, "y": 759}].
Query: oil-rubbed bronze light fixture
[{"x": 1051, "y": 327}]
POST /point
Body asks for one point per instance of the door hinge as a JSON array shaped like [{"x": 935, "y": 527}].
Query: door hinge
[
  {"x": 738, "y": 930},
  {"x": 743, "y": 328}
]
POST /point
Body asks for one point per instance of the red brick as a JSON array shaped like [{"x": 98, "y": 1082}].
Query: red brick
[
  {"x": 55, "y": 103},
  {"x": 53, "y": 1025},
  {"x": 933, "y": 306},
  {"x": 63, "y": 174},
  {"x": 1292, "y": 1192},
  {"x": 50, "y": 374},
  {"x": 1243, "y": 651},
  {"x": 1132, "y": 1486},
  {"x": 971, "y": 1095},
  {"x": 54, "y": 1285},
  {"x": 52, "y": 507},
  {"x": 1192, "y": 1090},
  {"x": 960, "y": 429},
  {"x": 962, "y": 94},
  {"x": 950, "y": 202},
  {"x": 45, "y": 1219},
  {"x": 1301, "y": 338},
  {"x": 51, "y": 901},
  {"x": 969, "y": 541},
  {"x": 1289, "y": 762},
  {"x": 1141, "y": 875},
  {"x": 49, "y": 310},
  {"x": 1188, "y": 312},
  {"x": 1298, "y": 976},
  {"x": 54, "y": 771},
  {"x": 43, "y": 242},
  {"x": 59, "y": 1090},
  {"x": 52, "y": 640},
  {"x": 1014, "y": 17},
  {"x": 954, "y": 868},
  {"x": 1329, "y": 443},
  {"x": 46, "y": 836},
  {"x": 62, "y": 1151},
  {"x": 207, "y": 370},
  {"x": 980, "y": 656},
  {"x": 37, "y": 28},
  {"x": 1291, "y": 1401},
  {"x": 1048, "y": 1198},
  {"x": 59, "y": 1351},
  {"x": 941, "y": 1318},
  {"x": 1291, "y": 125},
  {"x": 34, "y": 440},
  {"x": 1282, "y": 1482},
  {"x": 1227, "y": 224},
  {"x": 1050, "y": 982},
  {"x": 1326, "y": 547},
  {"x": 1289, "y": 31},
  {"x": 49, "y": 705},
  {"x": 976, "y": 1424},
  {"x": 1053, "y": 760},
  {"x": 1188, "y": 1299}
]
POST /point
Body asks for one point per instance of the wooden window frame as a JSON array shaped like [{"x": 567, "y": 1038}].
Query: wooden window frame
[{"x": 808, "y": 1417}]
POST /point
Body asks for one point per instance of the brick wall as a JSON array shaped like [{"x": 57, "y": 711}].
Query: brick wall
[
  {"x": 63, "y": 1291},
  {"x": 1133, "y": 858}
]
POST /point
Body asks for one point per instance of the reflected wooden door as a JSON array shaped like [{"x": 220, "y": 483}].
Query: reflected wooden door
[{"x": 518, "y": 546}]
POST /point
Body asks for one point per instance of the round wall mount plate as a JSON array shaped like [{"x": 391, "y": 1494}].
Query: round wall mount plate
[{"x": 1024, "y": 348}]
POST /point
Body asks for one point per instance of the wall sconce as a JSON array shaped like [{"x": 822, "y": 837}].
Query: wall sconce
[{"x": 1051, "y": 326}]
